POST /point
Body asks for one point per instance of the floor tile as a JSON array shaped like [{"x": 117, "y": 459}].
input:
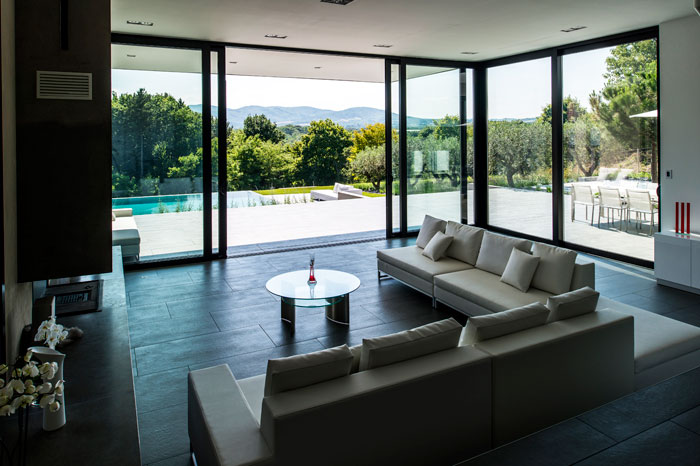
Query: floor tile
[
  {"x": 148, "y": 312},
  {"x": 666, "y": 443},
  {"x": 219, "y": 302},
  {"x": 161, "y": 390},
  {"x": 163, "y": 433},
  {"x": 180, "y": 460},
  {"x": 689, "y": 315},
  {"x": 689, "y": 419},
  {"x": 159, "y": 295},
  {"x": 156, "y": 330}
]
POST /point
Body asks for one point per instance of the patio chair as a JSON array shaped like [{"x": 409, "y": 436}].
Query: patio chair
[
  {"x": 582, "y": 194},
  {"x": 639, "y": 202},
  {"x": 610, "y": 201}
]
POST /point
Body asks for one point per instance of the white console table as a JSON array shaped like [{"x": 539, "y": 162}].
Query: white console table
[{"x": 677, "y": 260}]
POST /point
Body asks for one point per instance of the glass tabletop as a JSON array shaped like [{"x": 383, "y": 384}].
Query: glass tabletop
[{"x": 329, "y": 284}]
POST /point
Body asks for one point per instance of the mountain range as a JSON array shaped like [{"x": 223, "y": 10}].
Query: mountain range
[{"x": 352, "y": 118}]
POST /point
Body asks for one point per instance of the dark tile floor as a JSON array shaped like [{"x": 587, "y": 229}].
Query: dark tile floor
[{"x": 194, "y": 316}]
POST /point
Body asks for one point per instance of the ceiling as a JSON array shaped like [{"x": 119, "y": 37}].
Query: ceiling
[{"x": 415, "y": 28}]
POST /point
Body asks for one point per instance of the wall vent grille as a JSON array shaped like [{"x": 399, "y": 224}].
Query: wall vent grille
[{"x": 63, "y": 85}]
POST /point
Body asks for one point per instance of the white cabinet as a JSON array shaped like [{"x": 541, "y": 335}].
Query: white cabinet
[{"x": 677, "y": 260}]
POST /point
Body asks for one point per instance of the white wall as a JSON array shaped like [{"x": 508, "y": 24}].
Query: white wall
[{"x": 679, "y": 56}]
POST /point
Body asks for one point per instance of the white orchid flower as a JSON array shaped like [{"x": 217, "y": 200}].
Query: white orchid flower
[
  {"x": 6, "y": 410},
  {"x": 30, "y": 390},
  {"x": 3, "y": 369},
  {"x": 7, "y": 391},
  {"x": 55, "y": 406},
  {"x": 27, "y": 400},
  {"x": 59, "y": 388},
  {"x": 2, "y": 382},
  {"x": 17, "y": 385},
  {"x": 28, "y": 356},
  {"x": 47, "y": 400},
  {"x": 4, "y": 400},
  {"x": 30, "y": 370},
  {"x": 44, "y": 388},
  {"x": 16, "y": 403}
]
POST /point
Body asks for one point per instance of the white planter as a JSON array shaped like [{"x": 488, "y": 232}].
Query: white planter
[{"x": 53, "y": 421}]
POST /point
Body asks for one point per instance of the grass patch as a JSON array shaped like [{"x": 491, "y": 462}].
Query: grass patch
[
  {"x": 299, "y": 190},
  {"x": 364, "y": 193}
]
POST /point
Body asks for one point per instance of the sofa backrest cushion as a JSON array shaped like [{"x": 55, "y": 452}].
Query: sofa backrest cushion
[
  {"x": 436, "y": 247},
  {"x": 520, "y": 269},
  {"x": 480, "y": 328},
  {"x": 495, "y": 251},
  {"x": 466, "y": 243},
  {"x": 409, "y": 344},
  {"x": 572, "y": 304},
  {"x": 555, "y": 269},
  {"x": 356, "y": 354},
  {"x": 307, "y": 369},
  {"x": 431, "y": 225}
]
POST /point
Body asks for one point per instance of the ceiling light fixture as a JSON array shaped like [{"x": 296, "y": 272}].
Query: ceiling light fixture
[
  {"x": 317, "y": 67},
  {"x": 139, "y": 23},
  {"x": 468, "y": 53},
  {"x": 233, "y": 62},
  {"x": 575, "y": 28},
  {"x": 337, "y": 2},
  {"x": 275, "y": 36},
  {"x": 383, "y": 46},
  {"x": 130, "y": 55}
]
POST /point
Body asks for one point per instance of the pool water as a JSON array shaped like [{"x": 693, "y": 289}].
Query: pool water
[{"x": 184, "y": 202}]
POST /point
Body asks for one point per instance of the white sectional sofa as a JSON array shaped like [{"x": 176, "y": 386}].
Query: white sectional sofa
[
  {"x": 125, "y": 233},
  {"x": 339, "y": 192}
]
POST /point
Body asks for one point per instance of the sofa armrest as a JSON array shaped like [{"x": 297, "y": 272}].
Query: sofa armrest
[
  {"x": 221, "y": 427},
  {"x": 126, "y": 212},
  {"x": 349, "y": 195},
  {"x": 584, "y": 275}
]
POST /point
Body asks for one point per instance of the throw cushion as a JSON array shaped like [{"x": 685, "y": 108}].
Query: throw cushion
[
  {"x": 466, "y": 243},
  {"x": 356, "y": 354},
  {"x": 556, "y": 268},
  {"x": 114, "y": 217},
  {"x": 495, "y": 251},
  {"x": 409, "y": 344},
  {"x": 481, "y": 328},
  {"x": 572, "y": 304},
  {"x": 307, "y": 369},
  {"x": 431, "y": 225},
  {"x": 520, "y": 269},
  {"x": 437, "y": 246}
]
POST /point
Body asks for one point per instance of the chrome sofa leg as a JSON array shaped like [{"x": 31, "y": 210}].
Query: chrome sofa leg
[{"x": 434, "y": 302}]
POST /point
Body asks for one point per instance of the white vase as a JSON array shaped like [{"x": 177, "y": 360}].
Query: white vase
[{"x": 53, "y": 420}]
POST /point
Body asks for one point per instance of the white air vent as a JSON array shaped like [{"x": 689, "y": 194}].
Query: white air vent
[{"x": 63, "y": 85}]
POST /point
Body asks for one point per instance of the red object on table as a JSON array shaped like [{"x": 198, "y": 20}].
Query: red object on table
[
  {"x": 312, "y": 279},
  {"x": 682, "y": 217},
  {"x": 676, "y": 217},
  {"x": 687, "y": 218}
]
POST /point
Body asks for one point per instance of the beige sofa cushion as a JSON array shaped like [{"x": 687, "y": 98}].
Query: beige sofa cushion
[
  {"x": 657, "y": 339},
  {"x": 356, "y": 354},
  {"x": 482, "y": 328},
  {"x": 409, "y": 344},
  {"x": 555, "y": 269},
  {"x": 412, "y": 260},
  {"x": 486, "y": 290},
  {"x": 466, "y": 243},
  {"x": 495, "y": 251},
  {"x": 431, "y": 225},
  {"x": 520, "y": 269},
  {"x": 307, "y": 369},
  {"x": 572, "y": 304},
  {"x": 437, "y": 246},
  {"x": 253, "y": 389}
]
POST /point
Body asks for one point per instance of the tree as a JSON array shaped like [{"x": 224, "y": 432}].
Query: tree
[
  {"x": 516, "y": 147},
  {"x": 370, "y": 165},
  {"x": 447, "y": 127},
  {"x": 256, "y": 164},
  {"x": 631, "y": 88},
  {"x": 571, "y": 110},
  {"x": 372, "y": 135},
  {"x": 188, "y": 166},
  {"x": 261, "y": 126},
  {"x": 322, "y": 152},
  {"x": 582, "y": 143}
]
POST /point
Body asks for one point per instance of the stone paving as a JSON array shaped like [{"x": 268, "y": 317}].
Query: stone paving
[{"x": 525, "y": 211}]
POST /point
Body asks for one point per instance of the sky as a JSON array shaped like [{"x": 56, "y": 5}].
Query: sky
[{"x": 519, "y": 90}]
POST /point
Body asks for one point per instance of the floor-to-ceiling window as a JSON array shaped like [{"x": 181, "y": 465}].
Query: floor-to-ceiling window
[
  {"x": 610, "y": 148},
  {"x": 157, "y": 151},
  {"x": 520, "y": 147}
]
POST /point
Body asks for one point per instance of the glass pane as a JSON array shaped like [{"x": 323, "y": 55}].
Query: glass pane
[
  {"x": 520, "y": 147},
  {"x": 395, "y": 175},
  {"x": 157, "y": 151},
  {"x": 470, "y": 148},
  {"x": 610, "y": 148},
  {"x": 215, "y": 152},
  {"x": 433, "y": 158}
]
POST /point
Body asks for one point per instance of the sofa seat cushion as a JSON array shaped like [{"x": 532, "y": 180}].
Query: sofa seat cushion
[
  {"x": 412, "y": 260},
  {"x": 487, "y": 290},
  {"x": 657, "y": 339},
  {"x": 253, "y": 389},
  {"x": 125, "y": 232}
]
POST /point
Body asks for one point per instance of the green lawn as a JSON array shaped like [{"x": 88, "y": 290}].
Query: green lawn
[{"x": 305, "y": 190}]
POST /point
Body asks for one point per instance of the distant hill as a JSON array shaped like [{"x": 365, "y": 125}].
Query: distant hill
[{"x": 351, "y": 118}]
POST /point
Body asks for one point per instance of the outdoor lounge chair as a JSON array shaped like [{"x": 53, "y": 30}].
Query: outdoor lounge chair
[
  {"x": 639, "y": 202},
  {"x": 611, "y": 200},
  {"x": 125, "y": 233},
  {"x": 582, "y": 194},
  {"x": 340, "y": 192}
]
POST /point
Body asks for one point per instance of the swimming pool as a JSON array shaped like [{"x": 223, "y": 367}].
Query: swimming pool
[{"x": 184, "y": 202}]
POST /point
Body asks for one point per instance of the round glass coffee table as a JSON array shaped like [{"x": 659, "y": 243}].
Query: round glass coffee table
[{"x": 331, "y": 290}]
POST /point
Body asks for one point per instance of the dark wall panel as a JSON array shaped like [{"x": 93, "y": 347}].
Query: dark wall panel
[{"x": 63, "y": 146}]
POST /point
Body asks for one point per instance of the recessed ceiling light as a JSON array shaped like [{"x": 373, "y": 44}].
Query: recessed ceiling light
[
  {"x": 337, "y": 2},
  {"x": 575, "y": 28},
  {"x": 139, "y": 23},
  {"x": 275, "y": 36},
  {"x": 317, "y": 67},
  {"x": 468, "y": 53},
  {"x": 233, "y": 62},
  {"x": 383, "y": 46},
  {"x": 130, "y": 55}
]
